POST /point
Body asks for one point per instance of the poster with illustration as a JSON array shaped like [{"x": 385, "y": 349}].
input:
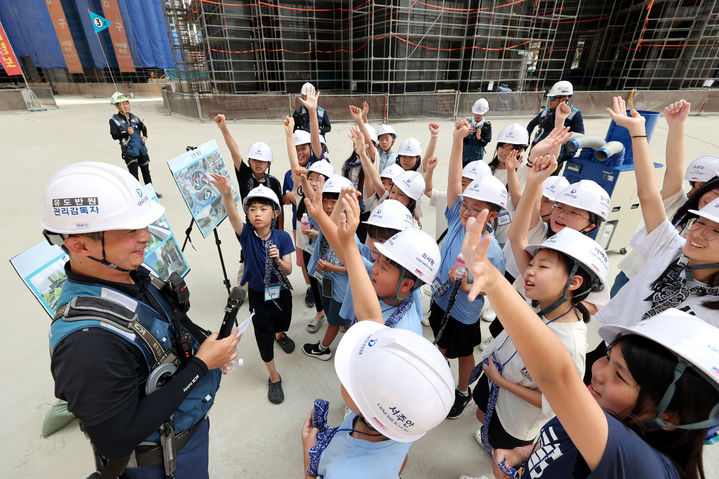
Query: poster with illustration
[
  {"x": 42, "y": 266},
  {"x": 191, "y": 171}
]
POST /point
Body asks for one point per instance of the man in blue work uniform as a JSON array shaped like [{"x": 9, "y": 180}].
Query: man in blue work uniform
[{"x": 138, "y": 374}]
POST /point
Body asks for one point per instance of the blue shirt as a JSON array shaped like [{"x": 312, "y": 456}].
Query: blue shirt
[
  {"x": 626, "y": 456},
  {"x": 255, "y": 255},
  {"x": 348, "y": 457},
  {"x": 386, "y": 159},
  {"x": 339, "y": 280},
  {"x": 464, "y": 311},
  {"x": 288, "y": 185}
]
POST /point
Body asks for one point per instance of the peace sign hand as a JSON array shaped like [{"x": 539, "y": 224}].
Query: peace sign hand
[{"x": 474, "y": 250}]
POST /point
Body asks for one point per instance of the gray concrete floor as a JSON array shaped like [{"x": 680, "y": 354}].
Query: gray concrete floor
[{"x": 250, "y": 438}]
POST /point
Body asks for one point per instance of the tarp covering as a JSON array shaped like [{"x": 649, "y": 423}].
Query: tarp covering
[{"x": 31, "y": 33}]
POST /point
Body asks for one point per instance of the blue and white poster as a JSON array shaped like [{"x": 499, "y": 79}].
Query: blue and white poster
[
  {"x": 42, "y": 267},
  {"x": 191, "y": 171}
]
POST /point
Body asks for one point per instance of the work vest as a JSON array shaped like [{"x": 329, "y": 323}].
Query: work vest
[
  {"x": 199, "y": 400},
  {"x": 133, "y": 145}
]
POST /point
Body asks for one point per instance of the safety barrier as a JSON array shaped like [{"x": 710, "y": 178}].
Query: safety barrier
[{"x": 441, "y": 105}]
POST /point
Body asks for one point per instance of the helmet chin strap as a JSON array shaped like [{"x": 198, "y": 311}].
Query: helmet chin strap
[
  {"x": 688, "y": 268},
  {"x": 396, "y": 296},
  {"x": 564, "y": 297},
  {"x": 104, "y": 261}
]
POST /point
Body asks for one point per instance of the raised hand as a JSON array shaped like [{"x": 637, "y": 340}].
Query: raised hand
[
  {"x": 289, "y": 124},
  {"x": 474, "y": 250},
  {"x": 350, "y": 220},
  {"x": 677, "y": 113},
  {"x": 310, "y": 102},
  {"x": 461, "y": 129},
  {"x": 563, "y": 111},
  {"x": 222, "y": 183},
  {"x": 356, "y": 113},
  {"x": 556, "y": 138},
  {"x": 220, "y": 120},
  {"x": 433, "y": 128},
  {"x": 314, "y": 207},
  {"x": 633, "y": 123},
  {"x": 513, "y": 159},
  {"x": 357, "y": 138},
  {"x": 432, "y": 163},
  {"x": 542, "y": 168}
]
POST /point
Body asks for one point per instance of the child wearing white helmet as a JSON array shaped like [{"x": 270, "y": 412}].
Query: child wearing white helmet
[
  {"x": 267, "y": 254},
  {"x": 453, "y": 318},
  {"x": 409, "y": 155},
  {"x": 564, "y": 270},
  {"x": 701, "y": 175},
  {"x": 386, "y": 137},
  {"x": 408, "y": 188},
  {"x": 131, "y": 132},
  {"x": 396, "y": 384},
  {"x": 479, "y": 136},
  {"x": 331, "y": 274},
  {"x": 649, "y": 404}
]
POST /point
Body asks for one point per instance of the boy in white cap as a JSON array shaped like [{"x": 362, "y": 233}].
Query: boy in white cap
[
  {"x": 267, "y": 253},
  {"x": 395, "y": 383},
  {"x": 131, "y": 132},
  {"x": 479, "y": 136}
]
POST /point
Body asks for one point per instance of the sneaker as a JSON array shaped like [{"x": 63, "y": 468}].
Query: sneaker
[
  {"x": 460, "y": 402},
  {"x": 286, "y": 343},
  {"x": 274, "y": 392},
  {"x": 313, "y": 350},
  {"x": 478, "y": 437},
  {"x": 309, "y": 298}
]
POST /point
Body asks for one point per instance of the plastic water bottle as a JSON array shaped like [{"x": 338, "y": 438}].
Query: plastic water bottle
[
  {"x": 305, "y": 222},
  {"x": 460, "y": 267}
]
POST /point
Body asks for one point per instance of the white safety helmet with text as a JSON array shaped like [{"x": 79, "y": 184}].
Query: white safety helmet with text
[
  {"x": 118, "y": 97},
  {"x": 514, "y": 134},
  {"x": 260, "y": 151},
  {"x": 410, "y": 147},
  {"x": 710, "y": 211},
  {"x": 399, "y": 380},
  {"x": 476, "y": 169},
  {"x": 411, "y": 183},
  {"x": 386, "y": 129},
  {"x": 322, "y": 167},
  {"x": 586, "y": 195},
  {"x": 391, "y": 171},
  {"x": 391, "y": 214},
  {"x": 554, "y": 185},
  {"x": 561, "y": 88},
  {"x": 91, "y": 197},
  {"x": 335, "y": 184},
  {"x": 703, "y": 168},
  {"x": 488, "y": 189},
  {"x": 414, "y": 250},
  {"x": 261, "y": 192},
  {"x": 302, "y": 137},
  {"x": 692, "y": 340},
  {"x": 480, "y": 107}
]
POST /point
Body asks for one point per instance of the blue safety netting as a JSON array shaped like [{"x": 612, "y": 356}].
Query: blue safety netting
[{"x": 31, "y": 33}]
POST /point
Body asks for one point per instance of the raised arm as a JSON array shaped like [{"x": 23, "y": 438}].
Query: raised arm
[
  {"x": 648, "y": 192},
  {"x": 675, "y": 114},
  {"x": 454, "y": 178},
  {"x": 373, "y": 182},
  {"x": 513, "y": 160},
  {"x": 364, "y": 297},
  {"x": 560, "y": 114},
  {"x": 222, "y": 183},
  {"x": 357, "y": 117},
  {"x": 289, "y": 126},
  {"x": 526, "y": 216},
  {"x": 429, "y": 167},
  {"x": 229, "y": 141},
  {"x": 311, "y": 104},
  {"x": 432, "y": 146},
  {"x": 544, "y": 355}
]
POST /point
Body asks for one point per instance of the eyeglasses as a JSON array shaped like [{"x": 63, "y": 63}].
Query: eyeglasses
[
  {"x": 570, "y": 213},
  {"x": 708, "y": 233},
  {"x": 474, "y": 212}
]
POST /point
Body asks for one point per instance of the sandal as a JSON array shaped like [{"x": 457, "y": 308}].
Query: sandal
[
  {"x": 286, "y": 343},
  {"x": 314, "y": 325},
  {"x": 275, "y": 393}
]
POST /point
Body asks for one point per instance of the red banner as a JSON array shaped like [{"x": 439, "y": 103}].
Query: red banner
[
  {"x": 7, "y": 56},
  {"x": 117, "y": 34},
  {"x": 57, "y": 15}
]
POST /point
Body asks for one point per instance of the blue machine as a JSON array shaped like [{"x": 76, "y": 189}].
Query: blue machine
[{"x": 610, "y": 163}]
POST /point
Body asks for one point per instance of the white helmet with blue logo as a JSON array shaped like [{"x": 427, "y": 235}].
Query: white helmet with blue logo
[
  {"x": 391, "y": 214},
  {"x": 586, "y": 195},
  {"x": 488, "y": 189},
  {"x": 411, "y": 183},
  {"x": 554, "y": 185}
]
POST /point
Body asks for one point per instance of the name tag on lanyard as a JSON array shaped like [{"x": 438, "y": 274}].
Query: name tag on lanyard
[{"x": 272, "y": 292}]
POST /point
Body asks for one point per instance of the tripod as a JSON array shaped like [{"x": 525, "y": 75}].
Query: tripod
[{"x": 218, "y": 242}]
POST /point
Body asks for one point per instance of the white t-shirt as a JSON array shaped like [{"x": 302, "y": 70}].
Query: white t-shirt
[
  {"x": 504, "y": 218},
  {"x": 658, "y": 249},
  {"x": 519, "y": 418},
  {"x": 633, "y": 261},
  {"x": 439, "y": 201}
]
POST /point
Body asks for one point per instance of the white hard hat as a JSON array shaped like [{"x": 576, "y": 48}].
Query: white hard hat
[
  {"x": 411, "y": 183},
  {"x": 488, "y": 189},
  {"x": 260, "y": 151},
  {"x": 583, "y": 250},
  {"x": 335, "y": 183},
  {"x": 554, "y": 185},
  {"x": 302, "y": 137},
  {"x": 391, "y": 171},
  {"x": 514, "y": 134},
  {"x": 476, "y": 169},
  {"x": 90, "y": 197},
  {"x": 372, "y": 133},
  {"x": 322, "y": 167},
  {"x": 306, "y": 88},
  {"x": 391, "y": 214},
  {"x": 710, "y": 211},
  {"x": 399, "y": 380},
  {"x": 480, "y": 107},
  {"x": 414, "y": 250},
  {"x": 118, "y": 97},
  {"x": 410, "y": 147},
  {"x": 261, "y": 192},
  {"x": 385, "y": 129},
  {"x": 586, "y": 195},
  {"x": 561, "y": 88},
  {"x": 703, "y": 168}
]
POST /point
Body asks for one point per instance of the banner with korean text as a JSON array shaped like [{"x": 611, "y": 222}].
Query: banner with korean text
[{"x": 7, "y": 56}]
